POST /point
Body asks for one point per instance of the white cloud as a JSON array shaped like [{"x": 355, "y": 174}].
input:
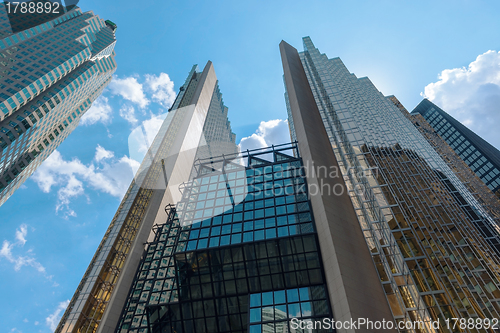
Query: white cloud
[
  {"x": 272, "y": 132},
  {"x": 106, "y": 174},
  {"x": 100, "y": 111},
  {"x": 162, "y": 88},
  {"x": 21, "y": 234},
  {"x": 102, "y": 153},
  {"x": 159, "y": 88},
  {"x": 53, "y": 319},
  {"x": 130, "y": 89},
  {"x": 472, "y": 95},
  {"x": 73, "y": 188},
  {"x": 20, "y": 260},
  {"x": 127, "y": 112},
  {"x": 142, "y": 136}
]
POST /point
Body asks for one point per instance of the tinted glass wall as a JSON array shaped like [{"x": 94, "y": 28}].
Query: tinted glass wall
[{"x": 239, "y": 253}]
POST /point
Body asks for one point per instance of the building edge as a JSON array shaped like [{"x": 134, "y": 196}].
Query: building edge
[
  {"x": 352, "y": 280},
  {"x": 154, "y": 215}
]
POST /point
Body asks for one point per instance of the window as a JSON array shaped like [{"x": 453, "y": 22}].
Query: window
[{"x": 272, "y": 311}]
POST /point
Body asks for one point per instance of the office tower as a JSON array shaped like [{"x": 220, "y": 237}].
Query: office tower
[
  {"x": 479, "y": 155},
  {"x": 196, "y": 127},
  {"x": 238, "y": 253},
  {"x": 435, "y": 247},
  {"x": 49, "y": 76}
]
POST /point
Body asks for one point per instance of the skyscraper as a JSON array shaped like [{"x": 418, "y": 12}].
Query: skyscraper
[
  {"x": 479, "y": 155},
  {"x": 50, "y": 73},
  {"x": 196, "y": 127},
  {"x": 434, "y": 245}
]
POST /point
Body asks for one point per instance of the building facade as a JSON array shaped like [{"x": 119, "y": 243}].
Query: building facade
[
  {"x": 434, "y": 245},
  {"x": 238, "y": 253},
  {"x": 479, "y": 155},
  {"x": 474, "y": 184},
  {"x": 196, "y": 127},
  {"x": 50, "y": 74}
]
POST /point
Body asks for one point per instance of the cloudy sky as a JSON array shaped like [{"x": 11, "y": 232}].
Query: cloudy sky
[
  {"x": 447, "y": 51},
  {"x": 471, "y": 94}
]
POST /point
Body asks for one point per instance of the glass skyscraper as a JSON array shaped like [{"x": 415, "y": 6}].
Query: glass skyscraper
[
  {"x": 196, "y": 127},
  {"x": 434, "y": 244},
  {"x": 51, "y": 70},
  {"x": 479, "y": 155}
]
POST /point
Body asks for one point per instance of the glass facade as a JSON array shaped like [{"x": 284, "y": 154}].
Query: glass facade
[
  {"x": 50, "y": 74},
  {"x": 479, "y": 155},
  {"x": 474, "y": 184},
  {"x": 271, "y": 311},
  {"x": 433, "y": 242},
  {"x": 238, "y": 253}
]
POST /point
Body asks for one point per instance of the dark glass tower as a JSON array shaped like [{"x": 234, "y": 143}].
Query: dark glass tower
[
  {"x": 479, "y": 155},
  {"x": 435, "y": 246},
  {"x": 51, "y": 70}
]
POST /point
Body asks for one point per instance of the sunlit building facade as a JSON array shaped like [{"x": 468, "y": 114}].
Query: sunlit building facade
[
  {"x": 50, "y": 74},
  {"x": 479, "y": 155},
  {"x": 483, "y": 194},
  {"x": 433, "y": 242}
]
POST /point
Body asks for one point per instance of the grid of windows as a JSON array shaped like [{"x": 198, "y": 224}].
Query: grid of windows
[
  {"x": 272, "y": 311},
  {"x": 453, "y": 160},
  {"x": 198, "y": 273},
  {"x": 272, "y": 203},
  {"x": 214, "y": 279},
  {"x": 469, "y": 152}
]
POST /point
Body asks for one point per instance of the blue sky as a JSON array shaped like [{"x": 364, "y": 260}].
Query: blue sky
[{"x": 51, "y": 227}]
